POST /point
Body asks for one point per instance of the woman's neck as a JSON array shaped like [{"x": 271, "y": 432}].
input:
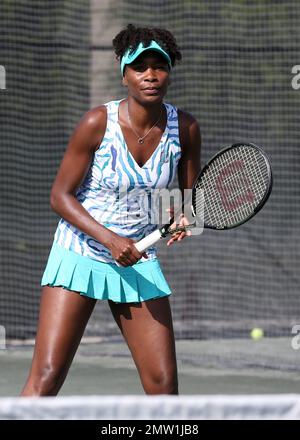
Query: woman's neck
[{"x": 143, "y": 117}]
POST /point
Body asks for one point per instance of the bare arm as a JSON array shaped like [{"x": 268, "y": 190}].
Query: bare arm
[
  {"x": 76, "y": 162},
  {"x": 190, "y": 140},
  {"x": 190, "y": 162},
  {"x": 72, "y": 171}
]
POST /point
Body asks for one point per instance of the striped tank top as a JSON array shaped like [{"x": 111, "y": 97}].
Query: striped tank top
[{"x": 118, "y": 193}]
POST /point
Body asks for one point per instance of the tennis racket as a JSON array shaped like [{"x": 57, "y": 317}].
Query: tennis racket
[{"x": 232, "y": 187}]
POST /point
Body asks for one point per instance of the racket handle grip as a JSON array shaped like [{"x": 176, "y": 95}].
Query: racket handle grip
[{"x": 148, "y": 241}]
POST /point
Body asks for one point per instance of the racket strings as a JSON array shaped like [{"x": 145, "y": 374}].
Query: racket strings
[{"x": 233, "y": 185}]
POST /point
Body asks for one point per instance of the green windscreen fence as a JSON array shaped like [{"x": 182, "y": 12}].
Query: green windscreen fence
[
  {"x": 235, "y": 78},
  {"x": 45, "y": 49}
]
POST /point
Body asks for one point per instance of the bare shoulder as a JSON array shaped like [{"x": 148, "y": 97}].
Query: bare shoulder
[
  {"x": 189, "y": 131},
  {"x": 92, "y": 126},
  {"x": 186, "y": 119},
  {"x": 95, "y": 118}
]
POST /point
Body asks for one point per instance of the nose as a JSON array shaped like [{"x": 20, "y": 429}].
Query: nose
[{"x": 150, "y": 75}]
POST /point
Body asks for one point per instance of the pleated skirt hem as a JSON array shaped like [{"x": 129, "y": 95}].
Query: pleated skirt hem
[{"x": 104, "y": 281}]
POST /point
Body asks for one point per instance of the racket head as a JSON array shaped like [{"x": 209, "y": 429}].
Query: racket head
[{"x": 232, "y": 187}]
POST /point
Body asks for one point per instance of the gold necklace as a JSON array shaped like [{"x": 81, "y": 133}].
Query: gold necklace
[{"x": 141, "y": 138}]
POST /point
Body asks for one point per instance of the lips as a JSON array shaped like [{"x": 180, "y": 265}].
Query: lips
[{"x": 151, "y": 91}]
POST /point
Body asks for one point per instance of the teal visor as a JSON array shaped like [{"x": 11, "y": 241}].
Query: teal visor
[{"x": 130, "y": 57}]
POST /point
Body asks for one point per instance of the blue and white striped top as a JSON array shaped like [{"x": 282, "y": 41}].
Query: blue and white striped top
[{"x": 118, "y": 193}]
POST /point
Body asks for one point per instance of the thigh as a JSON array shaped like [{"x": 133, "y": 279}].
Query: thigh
[
  {"x": 62, "y": 321},
  {"x": 148, "y": 330}
]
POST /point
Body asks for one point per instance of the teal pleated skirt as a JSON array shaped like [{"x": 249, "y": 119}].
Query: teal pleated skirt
[{"x": 106, "y": 281}]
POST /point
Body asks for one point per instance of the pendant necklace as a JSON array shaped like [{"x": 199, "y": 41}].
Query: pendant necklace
[{"x": 141, "y": 138}]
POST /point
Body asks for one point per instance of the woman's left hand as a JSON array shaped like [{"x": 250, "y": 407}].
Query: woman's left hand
[{"x": 179, "y": 235}]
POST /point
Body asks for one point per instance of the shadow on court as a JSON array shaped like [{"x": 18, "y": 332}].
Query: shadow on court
[{"x": 205, "y": 367}]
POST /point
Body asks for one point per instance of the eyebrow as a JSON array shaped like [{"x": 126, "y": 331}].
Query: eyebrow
[{"x": 144, "y": 62}]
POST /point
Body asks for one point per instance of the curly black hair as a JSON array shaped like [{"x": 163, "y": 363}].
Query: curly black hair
[{"x": 132, "y": 36}]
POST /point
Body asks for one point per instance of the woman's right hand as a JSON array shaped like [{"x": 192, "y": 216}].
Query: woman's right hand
[{"x": 123, "y": 250}]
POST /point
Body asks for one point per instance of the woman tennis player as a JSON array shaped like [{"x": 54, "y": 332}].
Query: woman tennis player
[{"x": 138, "y": 143}]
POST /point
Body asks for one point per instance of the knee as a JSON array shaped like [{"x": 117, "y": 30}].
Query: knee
[
  {"x": 47, "y": 380},
  {"x": 162, "y": 382}
]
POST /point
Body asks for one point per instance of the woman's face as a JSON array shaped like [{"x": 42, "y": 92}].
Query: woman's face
[{"x": 147, "y": 77}]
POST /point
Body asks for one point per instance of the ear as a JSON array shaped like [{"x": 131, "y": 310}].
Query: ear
[{"x": 124, "y": 82}]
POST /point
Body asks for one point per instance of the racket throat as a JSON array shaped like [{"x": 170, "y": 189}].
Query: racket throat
[{"x": 164, "y": 230}]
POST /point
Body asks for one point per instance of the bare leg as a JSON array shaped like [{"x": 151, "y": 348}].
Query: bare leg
[
  {"x": 148, "y": 330},
  {"x": 62, "y": 321}
]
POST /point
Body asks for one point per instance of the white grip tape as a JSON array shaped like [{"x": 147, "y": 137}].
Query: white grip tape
[{"x": 148, "y": 241}]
